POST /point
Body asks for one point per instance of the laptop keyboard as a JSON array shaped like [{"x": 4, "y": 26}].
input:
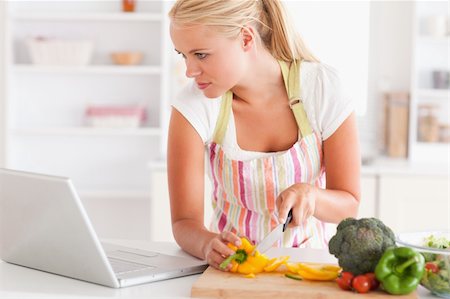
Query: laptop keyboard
[{"x": 121, "y": 266}]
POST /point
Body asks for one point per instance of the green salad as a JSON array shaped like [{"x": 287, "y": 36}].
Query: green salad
[{"x": 437, "y": 277}]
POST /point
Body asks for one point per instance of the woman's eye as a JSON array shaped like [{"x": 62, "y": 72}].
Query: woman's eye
[
  {"x": 201, "y": 55},
  {"x": 182, "y": 55}
]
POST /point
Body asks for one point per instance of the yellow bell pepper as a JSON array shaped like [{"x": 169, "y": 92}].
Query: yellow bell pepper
[{"x": 243, "y": 261}]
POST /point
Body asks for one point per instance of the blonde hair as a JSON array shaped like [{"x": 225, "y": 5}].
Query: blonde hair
[{"x": 230, "y": 16}]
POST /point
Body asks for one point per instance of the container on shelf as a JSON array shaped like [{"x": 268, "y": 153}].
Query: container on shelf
[
  {"x": 128, "y": 5},
  {"x": 436, "y": 25},
  {"x": 127, "y": 57},
  {"x": 62, "y": 52},
  {"x": 396, "y": 123},
  {"x": 428, "y": 123},
  {"x": 115, "y": 116},
  {"x": 444, "y": 133},
  {"x": 441, "y": 79}
]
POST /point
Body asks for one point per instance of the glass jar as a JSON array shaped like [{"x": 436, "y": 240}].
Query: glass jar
[
  {"x": 428, "y": 124},
  {"x": 444, "y": 133}
]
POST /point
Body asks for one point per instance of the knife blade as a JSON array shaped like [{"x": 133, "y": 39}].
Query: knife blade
[{"x": 273, "y": 236}]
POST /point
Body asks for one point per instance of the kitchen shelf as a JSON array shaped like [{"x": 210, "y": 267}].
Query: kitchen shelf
[
  {"x": 429, "y": 54},
  {"x": 87, "y": 131},
  {"x": 91, "y": 69},
  {"x": 426, "y": 39},
  {"x": 45, "y": 104},
  {"x": 433, "y": 93},
  {"x": 82, "y": 16}
]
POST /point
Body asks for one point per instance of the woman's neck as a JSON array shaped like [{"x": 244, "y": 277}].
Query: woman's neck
[{"x": 262, "y": 83}]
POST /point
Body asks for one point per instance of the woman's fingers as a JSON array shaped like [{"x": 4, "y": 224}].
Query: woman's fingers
[
  {"x": 284, "y": 203},
  {"x": 219, "y": 249},
  {"x": 230, "y": 237},
  {"x": 301, "y": 199}
]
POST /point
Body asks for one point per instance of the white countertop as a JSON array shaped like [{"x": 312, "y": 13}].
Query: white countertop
[{"x": 19, "y": 282}]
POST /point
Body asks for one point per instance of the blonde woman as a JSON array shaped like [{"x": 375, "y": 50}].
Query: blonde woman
[{"x": 276, "y": 131}]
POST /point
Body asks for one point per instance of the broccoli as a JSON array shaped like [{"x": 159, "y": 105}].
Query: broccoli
[{"x": 359, "y": 244}]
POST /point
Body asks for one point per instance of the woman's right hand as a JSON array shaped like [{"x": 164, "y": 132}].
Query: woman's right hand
[{"x": 216, "y": 250}]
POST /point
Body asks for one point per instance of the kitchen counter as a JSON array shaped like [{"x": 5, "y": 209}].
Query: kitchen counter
[{"x": 20, "y": 282}]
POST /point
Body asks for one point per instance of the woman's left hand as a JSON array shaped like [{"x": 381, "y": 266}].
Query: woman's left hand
[{"x": 301, "y": 198}]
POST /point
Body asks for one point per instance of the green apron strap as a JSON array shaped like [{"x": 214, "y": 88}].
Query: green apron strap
[
  {"x": 224, "y": 116},
  {"x": 292, "y": 82}
]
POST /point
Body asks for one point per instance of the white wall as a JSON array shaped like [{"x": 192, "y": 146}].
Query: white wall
[
  {"x": 337, "y": 32},
  {"x": 389, "y": 64},
  {"x": 2, "y": 82}
]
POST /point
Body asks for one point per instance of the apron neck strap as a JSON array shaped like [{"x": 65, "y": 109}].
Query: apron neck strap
[{"x": 291, "y": 76}]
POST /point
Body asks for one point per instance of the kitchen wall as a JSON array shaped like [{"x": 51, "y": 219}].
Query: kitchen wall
[{"x": 2, "y": 81}]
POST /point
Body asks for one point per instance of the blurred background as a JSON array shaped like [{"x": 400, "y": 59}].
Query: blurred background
[{"x": 86, "y": 86}]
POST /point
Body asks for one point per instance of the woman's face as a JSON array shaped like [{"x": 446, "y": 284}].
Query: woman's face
[{"x": 215, "y": 62}]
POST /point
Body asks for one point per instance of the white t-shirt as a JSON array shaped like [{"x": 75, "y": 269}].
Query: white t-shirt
[{"x": 325, "y": 105}]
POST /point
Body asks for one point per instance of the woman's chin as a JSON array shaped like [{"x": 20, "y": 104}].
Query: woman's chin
[{"x": 212, "y": 94}]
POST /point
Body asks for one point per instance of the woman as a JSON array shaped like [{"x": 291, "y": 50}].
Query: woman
[{"x": 272, "y": 123}]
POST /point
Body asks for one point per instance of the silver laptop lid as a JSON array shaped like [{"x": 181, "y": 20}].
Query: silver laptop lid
[{"x": 43, "y": 226}]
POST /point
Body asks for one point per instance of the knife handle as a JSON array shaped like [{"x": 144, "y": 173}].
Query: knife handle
[{"x": 288, "y": 220}]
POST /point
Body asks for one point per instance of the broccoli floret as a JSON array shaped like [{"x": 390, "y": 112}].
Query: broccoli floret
[{"x": 359, "y": 244}]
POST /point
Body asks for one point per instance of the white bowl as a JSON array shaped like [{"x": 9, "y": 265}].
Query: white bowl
[{"x": 438, "y": 283}]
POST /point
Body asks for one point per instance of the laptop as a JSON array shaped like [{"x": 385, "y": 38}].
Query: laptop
[{"x": 44, "y": 226}]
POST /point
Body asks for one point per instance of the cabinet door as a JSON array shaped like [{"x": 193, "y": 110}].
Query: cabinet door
[
  {"x": 368, "y": 203},
  {"x": 410, "y": 202}
]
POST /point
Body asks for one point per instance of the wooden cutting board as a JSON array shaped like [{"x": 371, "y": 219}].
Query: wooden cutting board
[{"x": 217, "y": 284}]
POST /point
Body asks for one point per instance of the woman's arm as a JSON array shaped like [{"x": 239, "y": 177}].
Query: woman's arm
[
  {"x": 341, "y": 197},
  {"x": 186, "y": 190}
]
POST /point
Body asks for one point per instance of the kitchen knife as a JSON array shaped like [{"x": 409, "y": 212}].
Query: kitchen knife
[{"x": 273, "y": 236}]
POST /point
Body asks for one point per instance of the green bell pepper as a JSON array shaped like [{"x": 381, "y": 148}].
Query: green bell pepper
[{"x": 400, "y": 270}]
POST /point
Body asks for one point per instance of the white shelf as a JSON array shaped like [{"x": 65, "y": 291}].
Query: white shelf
[
  {"x": 87, "y": 131},
  {"x": 433, "y": 93},
  {"x": 82, "y": 16},
  {"x": 91, "y": 69},
  {"x": 427, "y": 39}
]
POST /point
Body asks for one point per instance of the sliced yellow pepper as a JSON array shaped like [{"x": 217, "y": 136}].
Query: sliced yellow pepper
[
  {"x": 322, "y": 276},
  {"x": 292, "y": 267},
  {"x": 275, "y": 263},
  {"x": 323, "y": 273}
]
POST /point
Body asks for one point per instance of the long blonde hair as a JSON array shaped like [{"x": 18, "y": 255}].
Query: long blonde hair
[{"x": 230, "y": 16}]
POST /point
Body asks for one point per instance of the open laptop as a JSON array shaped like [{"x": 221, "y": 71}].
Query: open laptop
[{"x": 44, "y": 226}]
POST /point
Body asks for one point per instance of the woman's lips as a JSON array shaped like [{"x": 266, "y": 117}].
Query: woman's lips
[{"x": 203, "y": 85}]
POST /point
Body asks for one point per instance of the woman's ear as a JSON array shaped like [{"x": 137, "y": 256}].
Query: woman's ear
[{"x": 248, "y": 38}]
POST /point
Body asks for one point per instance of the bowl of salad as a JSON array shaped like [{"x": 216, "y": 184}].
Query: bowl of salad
[{"x": 435, "y": 247}]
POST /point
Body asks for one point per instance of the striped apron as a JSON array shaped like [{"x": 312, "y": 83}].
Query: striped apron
[{"x": 245, "y": 192}]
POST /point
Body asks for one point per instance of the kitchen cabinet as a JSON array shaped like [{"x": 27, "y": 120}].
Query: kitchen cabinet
[
  {"x": 46, "y": 129},
  {"x": 429, "y": 127},
  {"x": 409, "y": 202}
]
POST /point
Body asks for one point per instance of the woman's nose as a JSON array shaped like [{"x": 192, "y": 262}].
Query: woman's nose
[{"x": 192, "y": 69}]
